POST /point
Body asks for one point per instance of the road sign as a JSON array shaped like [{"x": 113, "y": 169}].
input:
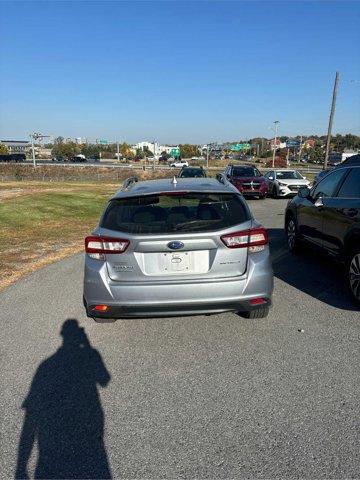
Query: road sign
[
  {"x": 293, "y": 143},
  {"x": 103, "y": 142},
  {"x": 237, "y": 147},
  {"x": 175, "y": 152}
]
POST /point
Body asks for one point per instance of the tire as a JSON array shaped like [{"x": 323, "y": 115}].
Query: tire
[
  {"x": 274, "y": 192},
  {"x": 292, "y": 236},
  {"x": 258, "y": 313},
  {"x": 353, "y": 274},
  {"x": 262, "y": 197},
  {"x": 104, "y": 320}
]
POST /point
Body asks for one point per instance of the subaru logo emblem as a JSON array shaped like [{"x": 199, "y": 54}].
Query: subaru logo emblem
[{"x": 175, "y": 245}]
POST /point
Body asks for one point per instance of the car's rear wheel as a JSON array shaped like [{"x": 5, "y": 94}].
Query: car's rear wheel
[
  {"x": 258, "y": 313},
  {"x": 292, "y": 236},
  {"x": 353, "y": 273}
]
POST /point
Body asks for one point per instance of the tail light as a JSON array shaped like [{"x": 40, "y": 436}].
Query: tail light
[
  {"x": 255, "y": 239},
  {"x": 98, "y": 246}
]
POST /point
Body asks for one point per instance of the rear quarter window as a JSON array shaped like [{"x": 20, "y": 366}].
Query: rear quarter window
[{"x": 162, "y": 214}]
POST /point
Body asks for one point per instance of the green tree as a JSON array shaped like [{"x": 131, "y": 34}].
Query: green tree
[
  {"x": 125, "y": 150},
  {"x": 3, "y": 149},
  {"x": 61, "y": 149},
  {"x": 317, "y": 154},
  {"x": 187, "y": 150},
  {"x": 148, "y": 152},
  {"x": 139, "y": 153}
]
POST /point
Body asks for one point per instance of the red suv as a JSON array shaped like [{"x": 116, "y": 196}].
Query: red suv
[{"x": 248, "y": 180}]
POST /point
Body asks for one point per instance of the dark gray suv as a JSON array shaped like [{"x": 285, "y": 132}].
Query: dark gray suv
[{"x": 328, "y": 217}]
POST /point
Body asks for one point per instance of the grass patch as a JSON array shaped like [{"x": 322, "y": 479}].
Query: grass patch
[{"x": 46, "y": 222}]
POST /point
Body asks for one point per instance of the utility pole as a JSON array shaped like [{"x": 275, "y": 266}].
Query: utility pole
[
  {"x": 207, "y": 156},
  {"x": 300, "y": 148},
  {"x": 35, "y": 136},
  {"x": 154, "y": 154},
  {"x": 117, "y": 151},
  {"x": 332, "y": 112},
  {"x": 33, "y": 150},
  {"x": 274, "y": 152}
]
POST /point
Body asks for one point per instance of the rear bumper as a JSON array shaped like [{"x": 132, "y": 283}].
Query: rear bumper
[
  {"x": 150, "y": 299},
  {"x": 174, "y": 310}
]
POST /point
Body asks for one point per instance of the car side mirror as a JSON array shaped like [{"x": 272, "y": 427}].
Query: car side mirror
[{"x": 304, "y": 192}]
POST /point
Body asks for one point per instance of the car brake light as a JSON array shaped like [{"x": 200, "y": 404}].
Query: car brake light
[
  {"x": 255, "y": 239},
  {"x": 175, "y": 193},
  {"x": 97, "y": 246}
]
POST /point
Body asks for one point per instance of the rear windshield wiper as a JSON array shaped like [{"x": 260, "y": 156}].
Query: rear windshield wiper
[{"x": 194, "y": 224}]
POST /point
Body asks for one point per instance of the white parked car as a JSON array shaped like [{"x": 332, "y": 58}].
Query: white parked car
[
  {"x": 179, "y": 164},
  {"x": 285, "y": 182}
]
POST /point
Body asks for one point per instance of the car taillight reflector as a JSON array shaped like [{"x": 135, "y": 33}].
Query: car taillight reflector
[
  {"x": 101, "y": 244},
  {"x": 257, "y": 301},
  {"x": 246, "y": 238},
  {"x": 101, "y": 308}
]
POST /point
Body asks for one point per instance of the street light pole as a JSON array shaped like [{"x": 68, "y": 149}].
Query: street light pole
[
  {"x": 332, "y": 112},
  {"x": 300, "y": 148},
  {"x": 276, "y": 130},
  {"x": 33, "y": 150},
  {"x": 35, "y": 136}
]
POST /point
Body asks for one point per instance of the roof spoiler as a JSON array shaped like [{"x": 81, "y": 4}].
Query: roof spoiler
[{"x": 129, "y": 181}]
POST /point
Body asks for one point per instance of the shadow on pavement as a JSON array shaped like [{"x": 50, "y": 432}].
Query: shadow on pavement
[
  {"x": 63, "y": 412},
  {"x": 310, "y": 272}
]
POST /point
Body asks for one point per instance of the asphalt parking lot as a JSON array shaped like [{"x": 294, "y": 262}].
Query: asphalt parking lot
[{"x": 194, "y": 397}]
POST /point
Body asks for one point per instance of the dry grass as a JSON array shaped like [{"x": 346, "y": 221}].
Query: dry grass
[{"x": 41, "y": 223}]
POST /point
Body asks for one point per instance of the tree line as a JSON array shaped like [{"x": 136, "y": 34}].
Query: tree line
[{"x": 60, "y": 148}]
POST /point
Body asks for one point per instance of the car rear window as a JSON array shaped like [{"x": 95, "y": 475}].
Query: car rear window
[
  {"x": 192, "y": 172},
  {"x": 245, "y": 172},
  {"x": 291, "y": 175},
  {"x": 167, "y": 213}
]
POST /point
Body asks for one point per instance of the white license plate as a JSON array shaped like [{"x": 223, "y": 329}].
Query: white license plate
[
  {"x": 172, "y": 263},
  {"x": 177, "y": 262}
]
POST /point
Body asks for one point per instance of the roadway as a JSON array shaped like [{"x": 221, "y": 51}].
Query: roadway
[
  {"x": 304, "y": 168},
  {"x": 193, "y": 397}
]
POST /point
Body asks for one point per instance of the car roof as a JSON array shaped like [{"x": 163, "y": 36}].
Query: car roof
[
  {"x": 353, "y": 160},
  {"x": 191, "y": 168},
  {"x": 284, "y": 169},
  {"x": 165, "y": 185}
]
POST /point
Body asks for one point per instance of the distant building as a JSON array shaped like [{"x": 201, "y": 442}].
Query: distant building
[
  {"x": 310, "y": 143},
  {"x": 154, "y": 147},
  {"x": 279, "y": 144},
  {"x": 16, "y": 146}
]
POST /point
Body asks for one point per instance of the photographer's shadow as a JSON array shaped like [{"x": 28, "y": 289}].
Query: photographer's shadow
[{"x": 63, "y": 412}]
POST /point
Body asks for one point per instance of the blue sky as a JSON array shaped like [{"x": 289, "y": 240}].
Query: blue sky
[{"x": 177, "y": 71}]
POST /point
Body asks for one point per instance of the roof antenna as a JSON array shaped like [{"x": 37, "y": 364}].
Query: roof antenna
[{"x": 174, "y": 181}]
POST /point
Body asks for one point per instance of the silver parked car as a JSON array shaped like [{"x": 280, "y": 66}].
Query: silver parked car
[
  {"x": 177, "y": 247},
  {"x": 285, "y": 182}
]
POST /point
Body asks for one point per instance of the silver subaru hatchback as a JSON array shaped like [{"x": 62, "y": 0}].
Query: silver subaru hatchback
[{"x": 177, "y": 247}]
